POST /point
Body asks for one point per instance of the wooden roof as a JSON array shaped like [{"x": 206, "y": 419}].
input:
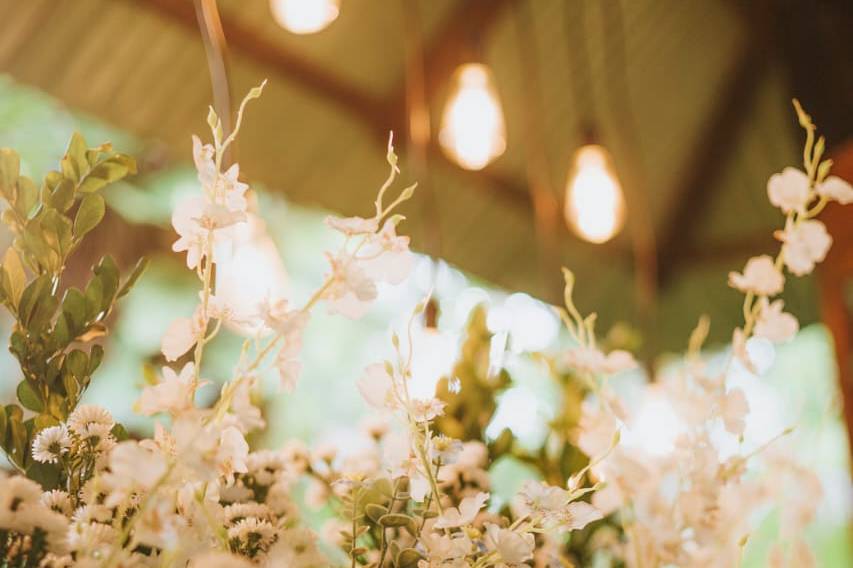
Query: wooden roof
[{"x": 691, "y": 98}]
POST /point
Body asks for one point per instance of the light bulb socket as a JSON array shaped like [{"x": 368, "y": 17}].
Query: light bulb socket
[
  {"x": 589, "y": 135},
  {"x": 432, "y": 311},
  {"x": 472, "y": 50}
]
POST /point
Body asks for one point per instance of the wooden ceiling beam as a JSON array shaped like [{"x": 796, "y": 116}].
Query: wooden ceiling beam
[
  {"x": 247, "y": 42},
  {"x": 711, "y": 152},
  {"x": 459, "y": 38},
  {"x": 450, "y": 46},
  {"x": 813, "y": 41}
]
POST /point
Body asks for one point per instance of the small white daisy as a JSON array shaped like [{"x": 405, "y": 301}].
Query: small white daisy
[
  {"x": 57, "y": 500},
  {"x": 253, "y": 532},
  {"x": 50, "y": 444},
  {"x": 89, "y": 421}
]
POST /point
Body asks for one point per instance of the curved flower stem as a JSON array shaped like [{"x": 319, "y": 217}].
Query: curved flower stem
[
  {"x": 206, "y": 285},
  {"x": 113, "y": 558},
  {"x": 316, "y": 297}
]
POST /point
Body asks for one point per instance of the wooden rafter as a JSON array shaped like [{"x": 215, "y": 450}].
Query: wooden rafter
[
  {"x": 379, "y": 115},
  {"x": 835, "y": 275},
  {"x": 710, "y": 154},
  {"x": 469, "y": 21},
  {"x": 248, "y": 43},
  {"x": 452, "y": 45},
  {"x": 813, "y": 40}
]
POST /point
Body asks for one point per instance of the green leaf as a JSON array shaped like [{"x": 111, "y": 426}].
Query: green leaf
[
  {"x": 106, "y": 172},
  {"x": 74, "y": 164},
  {"x": 61, "y": 332},
  {"x": 27, "y": 196},
  {"x": 56, "y": 231},
  {"x": 408, "y": 558},
  {"x": 10, "y": 166},
  {"x": 96, "y": 355},
  {"x": 374, "y": 512},
  {"x": 78, "y": 363},
  {"x": 43, "y": 314},
  {"x": 120, "y": 433},
  {"x": 89, "y": 214},
  {"x": 62, "y": 197},
  {"x": 138, "y": 270},
  {"x": 74, "y": 308},
  {"x": 394, "y": 520},
  {"x": 32, "y": 242},
  {"x": 94, "y": 298},
  {"x": 43, "y": 421},
  {"x": 55, "y": 407},
  {"x": 107, "y": 272},
  {"x": 14, "y": 277},
  {"x": 28, "y": 397},
  {"x": 30, "y": 298},
  {"x": 17, "y": 438},
  {"x": 3, "y": 422},
  {"x": 45, "y": 474},
  {"x": 72, "y": 387},
  {"x": 13, "y": 411}
]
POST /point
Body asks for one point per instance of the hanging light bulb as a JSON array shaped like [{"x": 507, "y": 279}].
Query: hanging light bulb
[
  {"x": 595, "y": 207},
  {"x": 473, "y": 132},
  {"x": 304, "y": 16}
]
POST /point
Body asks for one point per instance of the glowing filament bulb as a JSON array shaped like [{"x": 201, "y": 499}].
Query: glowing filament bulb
[
  {"x": 304, "y": 16},
  {"x": 595, "y": 207},
  {"x": 473, "y": 132}
]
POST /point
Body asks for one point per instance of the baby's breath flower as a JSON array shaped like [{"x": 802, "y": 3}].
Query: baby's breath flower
[
  {"x": 426, "y": 410},
  {"x": 775, "y": 324},
  {"x": 173, "y": 394},
  {"x": 463, "y": 515},
  {"x": 446, "y": 449},
  {"x": 805, "y": 244},
  {"x": 351, "y": 226},
  {"x": 759, "y": 277},
  {"x": 512, "y": 547},
  {"x": 836, "y": 189},
  {"x": 789, "y": 190}
]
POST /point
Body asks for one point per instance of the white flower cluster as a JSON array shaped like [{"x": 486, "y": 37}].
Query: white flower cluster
[
  {"x": 451, "y": 480},
  {"x": 196, "y": 495},
  {"x": 691, "y": 506}
]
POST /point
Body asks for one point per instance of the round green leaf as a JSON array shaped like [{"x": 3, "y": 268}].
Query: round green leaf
[{"x": 28, "y": 397}]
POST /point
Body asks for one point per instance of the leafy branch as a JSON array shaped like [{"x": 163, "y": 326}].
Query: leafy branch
[{"x": 55, "y": 326}]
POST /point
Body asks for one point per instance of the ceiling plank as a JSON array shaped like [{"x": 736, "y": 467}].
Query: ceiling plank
[
  {"x": 249, "y": 43},
  {"x": 708, "y": 158},
  {"x": 814, "y": 41},
  {"x": 454, "y": 43},
  {"x": 380, "y": 116}
]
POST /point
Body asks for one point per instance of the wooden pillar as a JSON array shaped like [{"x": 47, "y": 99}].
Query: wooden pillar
[{"x": 835, "y": 277}]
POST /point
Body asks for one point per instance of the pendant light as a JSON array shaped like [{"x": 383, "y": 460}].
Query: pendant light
[
  {"x": 594, "y": 205},
  {"x": 304, "y": 16},
  {"x": 473, "y": 132}
]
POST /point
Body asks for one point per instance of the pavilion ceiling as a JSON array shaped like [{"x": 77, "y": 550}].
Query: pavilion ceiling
[{"x": 691, "y": 98}]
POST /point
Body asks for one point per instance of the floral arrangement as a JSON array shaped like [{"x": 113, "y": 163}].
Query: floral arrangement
[{"x": 196, "y": 494}]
